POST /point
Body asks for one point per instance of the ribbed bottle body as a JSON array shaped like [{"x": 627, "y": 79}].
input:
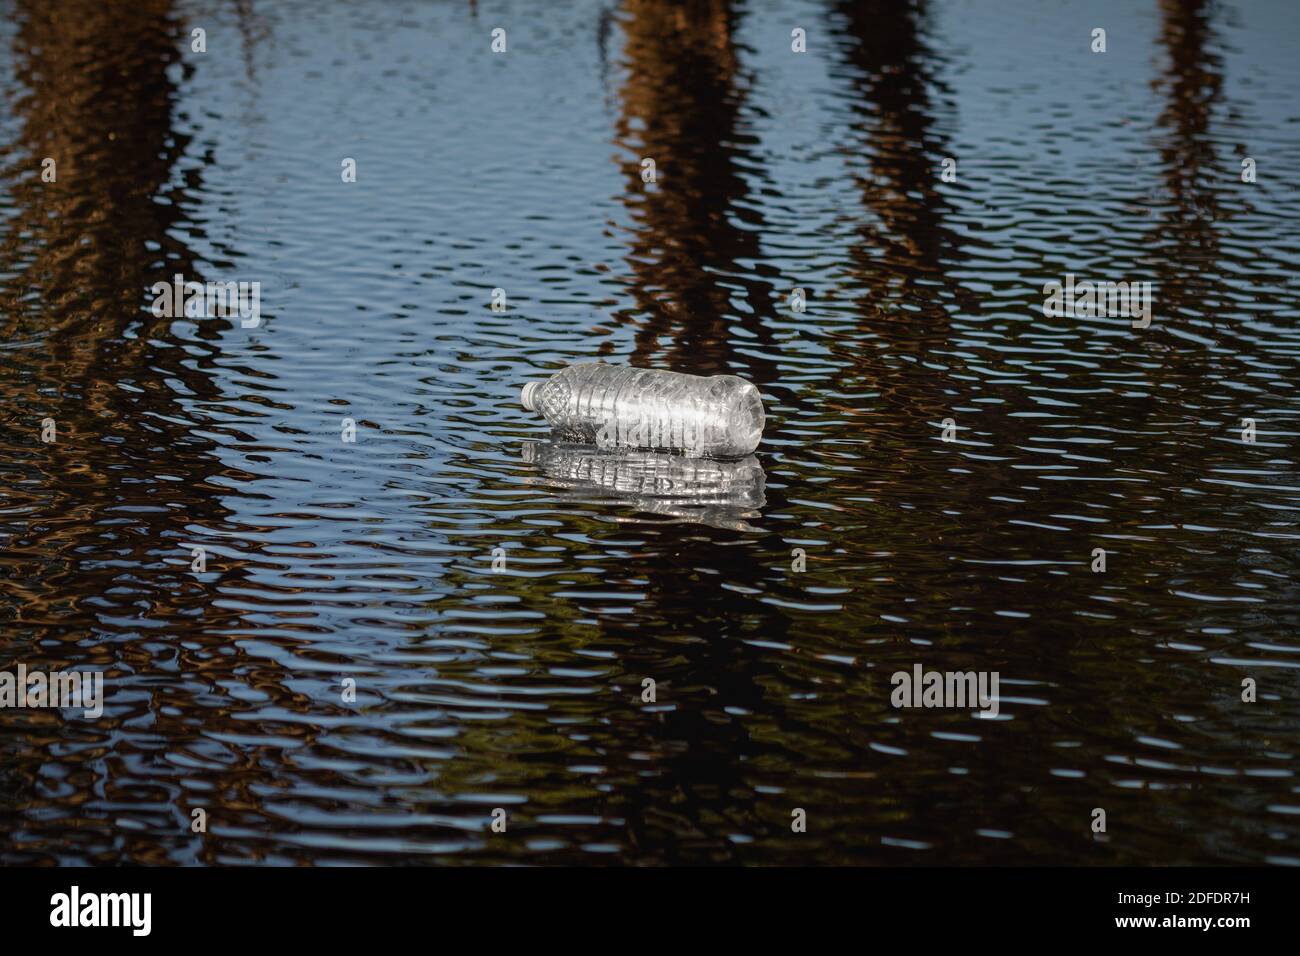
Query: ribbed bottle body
[{"x": 612, "y": 406}]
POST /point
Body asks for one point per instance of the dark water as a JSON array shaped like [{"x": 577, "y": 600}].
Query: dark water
[{"x": 521, "y": 688}]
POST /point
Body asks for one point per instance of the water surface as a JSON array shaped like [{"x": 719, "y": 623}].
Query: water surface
[{"x": 500, "y": 600}]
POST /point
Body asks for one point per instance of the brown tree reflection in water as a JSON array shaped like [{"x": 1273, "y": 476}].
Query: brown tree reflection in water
[
  {"x": 694, "y": 234},
  {"x": 96, "y": 560},
  {"x": 693, "y": 246},
  {"x": 906, "y": 248}
]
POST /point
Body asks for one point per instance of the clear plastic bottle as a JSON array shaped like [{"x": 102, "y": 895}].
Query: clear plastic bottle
[{"x": 615, "y": 406}]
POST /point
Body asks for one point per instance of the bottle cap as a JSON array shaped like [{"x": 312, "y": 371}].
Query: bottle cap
[{"x": 526, "y": 396}]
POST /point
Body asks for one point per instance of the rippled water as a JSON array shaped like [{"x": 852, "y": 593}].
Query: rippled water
[{"x": 520, "y": 687}]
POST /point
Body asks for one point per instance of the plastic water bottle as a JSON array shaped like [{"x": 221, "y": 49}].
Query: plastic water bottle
[{"x": 614, "y": 406}]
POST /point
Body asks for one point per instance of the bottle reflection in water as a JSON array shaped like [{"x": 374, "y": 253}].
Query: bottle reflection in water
[{"x": 717, "y": 493}]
